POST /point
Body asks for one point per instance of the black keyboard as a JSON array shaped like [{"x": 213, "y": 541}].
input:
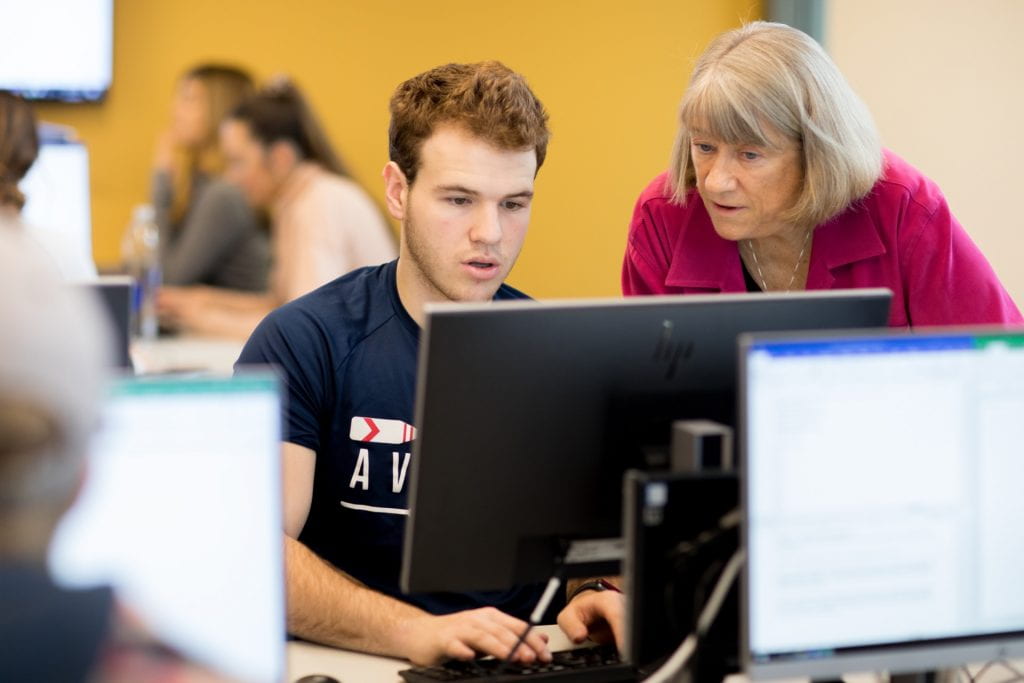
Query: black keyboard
[{"x": 591, "y": 664}]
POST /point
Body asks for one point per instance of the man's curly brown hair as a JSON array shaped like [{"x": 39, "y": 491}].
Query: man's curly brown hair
[{"x": 488, "y": 99}]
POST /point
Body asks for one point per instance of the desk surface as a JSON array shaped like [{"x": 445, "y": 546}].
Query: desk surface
[
  {"x": 350, "y": 667},
  {"x": 185, "y": 354},
  {"x": 354, "y": 667}
]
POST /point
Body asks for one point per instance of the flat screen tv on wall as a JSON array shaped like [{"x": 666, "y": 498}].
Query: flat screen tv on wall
[{"x": 58, "y": 50}]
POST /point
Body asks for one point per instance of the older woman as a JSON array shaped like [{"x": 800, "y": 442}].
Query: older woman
[{"x": 778, "y": 182}]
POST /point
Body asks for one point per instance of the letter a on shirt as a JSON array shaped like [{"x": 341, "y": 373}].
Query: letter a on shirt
[{"x": 361, "y": 474}]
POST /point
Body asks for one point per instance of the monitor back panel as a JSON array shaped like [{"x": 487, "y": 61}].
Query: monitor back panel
[
  {"x": 527, "y": 415},
  {"x": 181, "y": 514},
  {"x": 115, "y": 296}
]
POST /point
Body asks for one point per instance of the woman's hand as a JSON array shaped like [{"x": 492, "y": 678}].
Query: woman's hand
[{"x": 163, "y": 151}]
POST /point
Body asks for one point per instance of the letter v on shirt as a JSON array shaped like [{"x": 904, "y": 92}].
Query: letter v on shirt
[{"x": 380, "y": 430}]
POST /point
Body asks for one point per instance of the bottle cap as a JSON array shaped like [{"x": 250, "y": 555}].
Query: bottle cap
[{"x": 144, "y": 213}]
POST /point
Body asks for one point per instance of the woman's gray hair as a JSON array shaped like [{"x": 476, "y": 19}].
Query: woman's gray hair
[{"x": 765, "y": 79}]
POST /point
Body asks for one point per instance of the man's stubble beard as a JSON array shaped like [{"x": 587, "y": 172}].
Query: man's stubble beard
[{"x": 422, "y": 258}]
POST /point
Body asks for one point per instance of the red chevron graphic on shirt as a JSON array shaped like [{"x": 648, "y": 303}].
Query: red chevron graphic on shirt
[{"x": 374, "y": 429}]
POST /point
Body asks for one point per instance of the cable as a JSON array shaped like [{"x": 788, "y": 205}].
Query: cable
[
  {"x": 680, "y": 556},
  {"x": 677, "y": 662},
  {"x": 729, "y": 520},
  {"x": 538, "y": 613},
  {"x": 1018, "y": 675},
  {"x": 975, "y": 676}
]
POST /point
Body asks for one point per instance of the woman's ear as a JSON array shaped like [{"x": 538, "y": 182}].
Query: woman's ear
[{"x": 396, "y": 191}]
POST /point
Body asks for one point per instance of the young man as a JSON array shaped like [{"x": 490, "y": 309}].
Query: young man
[{"x": 466, "y": 142}]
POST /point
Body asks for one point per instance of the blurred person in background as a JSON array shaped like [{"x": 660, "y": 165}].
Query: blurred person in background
[
  {"x": 323, "y": 224},
  {"x": 208, "y": 233},
  {"x": 51, "y": 391},
  {"x": 19, "y": 147}
]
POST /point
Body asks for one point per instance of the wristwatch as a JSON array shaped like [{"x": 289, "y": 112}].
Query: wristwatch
[{"x": 598, "y": 585}]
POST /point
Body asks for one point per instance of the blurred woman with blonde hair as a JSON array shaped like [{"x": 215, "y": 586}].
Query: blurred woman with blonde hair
[{"x": 209, "y": 235}]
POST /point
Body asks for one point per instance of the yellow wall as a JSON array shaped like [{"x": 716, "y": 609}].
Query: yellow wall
[{"x": 609, "y": 72}]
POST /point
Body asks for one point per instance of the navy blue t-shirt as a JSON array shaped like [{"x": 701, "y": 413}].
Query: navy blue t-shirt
[{"x": 348, "y": 354}]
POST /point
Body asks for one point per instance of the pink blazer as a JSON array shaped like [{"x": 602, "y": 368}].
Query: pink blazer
[{"x": 901, "y": 236}]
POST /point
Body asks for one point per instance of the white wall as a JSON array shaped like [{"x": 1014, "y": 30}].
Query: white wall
[{"x": 945, "y": 82}]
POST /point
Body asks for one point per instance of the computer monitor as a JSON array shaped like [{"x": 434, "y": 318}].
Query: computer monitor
[
  {"x": 528, "y": 413},
  {"x": 57, "y": 209},
  {"x": 114, "y": 292},
  {"x": 57, "y": 49},
  {"x": 882, "y": 506},
  {"x": 181, "y": 514}
]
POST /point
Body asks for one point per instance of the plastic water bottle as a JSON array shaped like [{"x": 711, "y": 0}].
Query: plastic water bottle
[{"x": 140, "y": 249}]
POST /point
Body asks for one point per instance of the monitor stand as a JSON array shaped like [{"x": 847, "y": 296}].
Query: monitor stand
[{"x": 593, "y": 557}]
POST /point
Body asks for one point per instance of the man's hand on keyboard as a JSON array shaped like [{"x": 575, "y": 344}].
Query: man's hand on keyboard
[
  {"x": 464, "y": 635},
  {"x": 598, "y": 615}
]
